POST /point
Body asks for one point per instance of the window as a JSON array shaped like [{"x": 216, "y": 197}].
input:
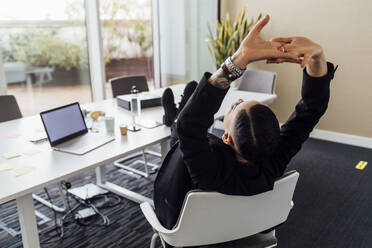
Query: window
[
  {"x": 45, "y": 55},
  {"x": 126, "y": 27}
]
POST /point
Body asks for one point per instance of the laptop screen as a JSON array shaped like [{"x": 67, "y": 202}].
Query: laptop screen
[{"x": 63, "y": 123}]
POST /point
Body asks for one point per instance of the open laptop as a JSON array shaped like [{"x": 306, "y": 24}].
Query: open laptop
[{"x": 67, "y": 130}]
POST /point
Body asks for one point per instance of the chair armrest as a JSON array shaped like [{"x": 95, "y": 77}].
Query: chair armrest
[{"x": 150, "y": 215}]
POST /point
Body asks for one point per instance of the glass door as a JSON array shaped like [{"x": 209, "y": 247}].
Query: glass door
[
  {"x": 183, "y": 25},
  {"x": 126, "y": 27}
]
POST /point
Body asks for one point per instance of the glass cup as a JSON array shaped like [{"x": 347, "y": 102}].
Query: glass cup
[
  {"x": 123, "y": 129},
  {"x": 110, "y": 124}
]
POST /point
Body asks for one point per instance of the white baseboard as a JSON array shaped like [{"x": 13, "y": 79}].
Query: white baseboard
[{"x": 348, "y": 139}]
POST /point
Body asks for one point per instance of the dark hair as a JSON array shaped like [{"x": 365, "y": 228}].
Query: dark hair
[{"x": 256, "y": 133}]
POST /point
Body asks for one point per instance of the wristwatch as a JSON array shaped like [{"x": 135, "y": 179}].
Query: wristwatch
[{"x": 231, "y": 70}]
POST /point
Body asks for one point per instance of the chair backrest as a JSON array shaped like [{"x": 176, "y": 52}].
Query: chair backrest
[
  {"x": 9, "y": 109},
  {"x": 123, "y": 85},
  {"x": 258, "y": 81},
  {"x": 210, "y": 217}
]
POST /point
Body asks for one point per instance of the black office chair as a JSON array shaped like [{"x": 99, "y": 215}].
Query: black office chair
[
  {"x": 122, "y": 86},
  {"x": 10, "y": 111},
  {"x": 9, "y": 108}
]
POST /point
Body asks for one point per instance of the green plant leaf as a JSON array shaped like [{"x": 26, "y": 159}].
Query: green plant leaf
[
  {"x": 229, "y": 36},
  {"x": 210, "y": 50},
  {"x": 210, "y": 32}
]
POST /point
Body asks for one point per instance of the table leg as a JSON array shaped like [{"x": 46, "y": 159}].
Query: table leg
[
  {"x": 49, "y": 76},
  {"x": 27, "y": 221},
  {"x": 101, "y": 175},
  {"x": 41, "y": 78},
  {"x": 165, "y": 146},
  {"x": 116, "y": 189},
  {"x": 29, "y": 82},
  {"x": 126, "y": 193},
  {"x": 51, "y": 205}
]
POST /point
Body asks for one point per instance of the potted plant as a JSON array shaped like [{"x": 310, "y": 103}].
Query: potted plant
[
  {"x": 44, "y": 48},
  {"x": 229, "y": 36}
]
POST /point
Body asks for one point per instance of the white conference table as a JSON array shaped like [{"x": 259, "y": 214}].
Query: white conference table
[{"x": 53, "y": 166}]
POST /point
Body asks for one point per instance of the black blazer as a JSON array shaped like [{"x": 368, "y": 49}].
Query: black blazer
[{"x": 202, "y": 161}]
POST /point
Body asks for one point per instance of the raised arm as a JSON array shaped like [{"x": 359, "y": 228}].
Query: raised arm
[
  {"x": 315, "y": 96},
  {"x": 197, "y": 115}
]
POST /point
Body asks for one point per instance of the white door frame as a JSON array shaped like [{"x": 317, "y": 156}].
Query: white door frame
[
  {"x": 156, "y": 43},
  {"x": 3, "y": 85},
  {"x": 95, "y": 50}
]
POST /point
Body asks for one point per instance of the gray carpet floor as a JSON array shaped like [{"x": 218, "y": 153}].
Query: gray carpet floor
[
  {"x": 128, "y": 227},
  {"x": 333, "y": 200},
  {"x": 332, "y": 208}
]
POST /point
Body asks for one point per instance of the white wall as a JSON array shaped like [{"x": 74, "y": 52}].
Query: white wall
[{"x": 344, "y": 29}]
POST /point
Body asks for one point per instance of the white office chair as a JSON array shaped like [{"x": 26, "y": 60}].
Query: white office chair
[{"x": 210, "y": 217}]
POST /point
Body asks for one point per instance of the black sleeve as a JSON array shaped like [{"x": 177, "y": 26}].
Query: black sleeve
[
  {"x": 206, "y": 168},
  {"x": 315, "y": 96},
  {"x": 192, "y": 127}
]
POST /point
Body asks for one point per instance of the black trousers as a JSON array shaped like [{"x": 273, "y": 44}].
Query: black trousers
[{"x": 174, "y": 134}]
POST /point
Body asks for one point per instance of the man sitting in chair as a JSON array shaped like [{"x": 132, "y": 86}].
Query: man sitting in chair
[{"x": 254, "y": 150}]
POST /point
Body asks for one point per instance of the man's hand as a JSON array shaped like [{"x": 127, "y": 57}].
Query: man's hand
[
  {"x": 254, "y": 48},
  {"x": 310, "y": 53}
]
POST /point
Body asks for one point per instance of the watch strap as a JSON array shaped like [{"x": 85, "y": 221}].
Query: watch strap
[{"x": 230, "y": 76}]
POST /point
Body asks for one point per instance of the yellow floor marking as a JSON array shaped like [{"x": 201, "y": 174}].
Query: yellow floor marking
[{"x": 361, "y": 165}]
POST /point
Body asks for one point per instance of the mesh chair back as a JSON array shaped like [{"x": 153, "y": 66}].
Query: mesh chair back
[
  {"x": 123, "y": 85},
  {"x": 9, "y": 109},
  {"x": 258, "y": 81}
]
